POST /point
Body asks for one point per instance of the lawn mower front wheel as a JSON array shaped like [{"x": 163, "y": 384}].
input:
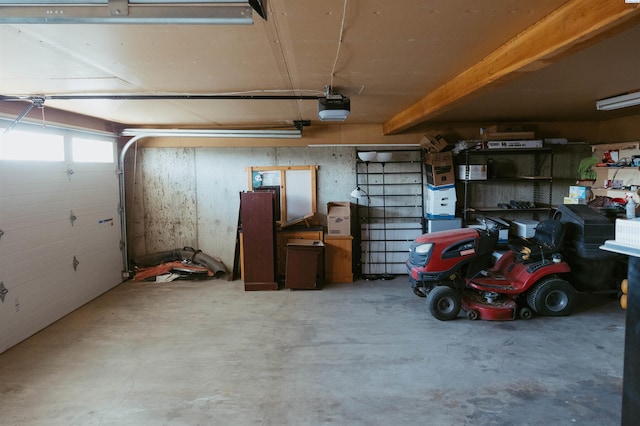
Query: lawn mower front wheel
[{"x": 444, "y": 303}]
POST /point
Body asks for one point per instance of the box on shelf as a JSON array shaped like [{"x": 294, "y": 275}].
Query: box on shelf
[
  {"x": 524, "y": 227},
  {"x": 441, "y": 201},
  {"x": 439, "y": 168},
  {"x": 574, "y": 200},
  {"x": 578, "y": 192},
  {"x": 436, "y": 225},
  {"x": 433, "y": 143},
  {"x": 339, "y": 214},
  {"x": 537, "y": 143},
  {"x": 475, "y": 172},
  {"x": 502, "y": 136}
]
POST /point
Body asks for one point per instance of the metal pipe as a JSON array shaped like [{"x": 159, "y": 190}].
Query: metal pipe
[
  {"x": 631, "y": 374},
  {"x": 134, "y": 97},
  {"x": 139, "y": 134},
  {"x": 122, "y": 210}
]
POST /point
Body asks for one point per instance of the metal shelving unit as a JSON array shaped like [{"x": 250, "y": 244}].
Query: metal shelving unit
[
  {"x": 393, "y": 214},
  {"x": 528, "y": 178}
]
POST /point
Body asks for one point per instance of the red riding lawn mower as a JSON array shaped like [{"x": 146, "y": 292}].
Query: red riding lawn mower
[{"x": 455, "y": 270}]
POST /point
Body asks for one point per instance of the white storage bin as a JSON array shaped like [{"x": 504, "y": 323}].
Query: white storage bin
[{"x": 441, "y": 201}]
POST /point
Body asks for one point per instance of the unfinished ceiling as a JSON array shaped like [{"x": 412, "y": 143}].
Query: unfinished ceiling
[{"x": 402, "y": 63}]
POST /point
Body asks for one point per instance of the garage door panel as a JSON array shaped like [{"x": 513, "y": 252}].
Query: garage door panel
[
  {"x": 35, "y": 256},
  {"x": 85, "y": 214},
  {"x": 40, "y": 241},
  {"x": 25, "y": 205},
  {"x": 36, "y": 303},
  {"x": 31, "y": 305},
  {"x": 31, "y": 173},
  {"x": 61, "y": 281}
]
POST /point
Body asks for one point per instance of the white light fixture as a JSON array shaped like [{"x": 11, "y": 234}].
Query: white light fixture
[
  {"x": 130, "y": 11},
  {"x": 334, "y": 106},
  {"x": 336, "y": 109},
  {"x": 617, "y": 102},
  {"x": 216, "y": 133},
  {"x": 359, "y": 193},
  {"x": 383, "y": 157},
  {"x": 367, "y": 155}
]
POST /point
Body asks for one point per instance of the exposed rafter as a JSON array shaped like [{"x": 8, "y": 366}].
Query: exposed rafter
[{"x": 576, "y": 22}]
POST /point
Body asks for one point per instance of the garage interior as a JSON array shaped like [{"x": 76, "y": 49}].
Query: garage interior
[{"x": 204, "y": 119}]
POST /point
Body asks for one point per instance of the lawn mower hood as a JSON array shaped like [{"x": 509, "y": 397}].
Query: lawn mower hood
[{"x": 435, "y": 256}]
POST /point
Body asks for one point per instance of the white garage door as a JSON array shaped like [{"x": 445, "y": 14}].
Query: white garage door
[{"x": 59, "y": 226}]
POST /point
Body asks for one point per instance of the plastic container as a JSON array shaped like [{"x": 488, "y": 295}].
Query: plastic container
[
  {"x": 585, "y": 225},
  {"x": 630, "y": 207}
]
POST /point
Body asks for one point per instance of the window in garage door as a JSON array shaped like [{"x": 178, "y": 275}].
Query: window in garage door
[{"x": 59, "y": 223}]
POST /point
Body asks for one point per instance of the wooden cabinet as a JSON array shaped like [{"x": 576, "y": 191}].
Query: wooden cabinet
[
  {"x": 304, "y": 264},
  {"x": 283, "y": 236},
  {"x": 338, "y": 263},
  {"x": 256, "y": 212}
]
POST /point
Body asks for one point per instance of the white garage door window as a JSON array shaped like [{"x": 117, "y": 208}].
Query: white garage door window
[{"x": 59, "y": 226}]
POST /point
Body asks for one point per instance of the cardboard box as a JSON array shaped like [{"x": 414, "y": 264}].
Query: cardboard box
[
  {"x": 439, "y": 168},
  {"x": 476, "y": 172},
  {"x": 339, "y": 214},
  {"x": 514, "y": 144},
  {"x": 503, "y": 136},
  {"x": 525, "y": 228},
  {"x": 574, "y": 200},
  {"x": 441, "y": 202},
  {"x": 433, "y": 143},
  {"x": 578, "y": 192}
]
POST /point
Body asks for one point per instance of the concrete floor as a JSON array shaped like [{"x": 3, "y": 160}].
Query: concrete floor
[{"x": 367, "y": 353}]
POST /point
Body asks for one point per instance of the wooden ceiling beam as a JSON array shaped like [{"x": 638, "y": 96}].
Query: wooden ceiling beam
[{"x": 575, "y": 22}]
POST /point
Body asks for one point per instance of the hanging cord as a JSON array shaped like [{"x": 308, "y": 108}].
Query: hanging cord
[{"x": 335, "y": 62}]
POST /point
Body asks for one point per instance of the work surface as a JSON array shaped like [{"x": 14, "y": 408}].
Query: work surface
[{"x": 366, "y": 353}]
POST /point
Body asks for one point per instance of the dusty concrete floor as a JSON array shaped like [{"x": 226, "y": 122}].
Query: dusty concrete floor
[{"x": 367, "y": 353}]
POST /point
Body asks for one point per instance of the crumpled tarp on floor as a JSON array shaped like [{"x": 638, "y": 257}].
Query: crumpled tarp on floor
[{"x": 185, "y": 263}]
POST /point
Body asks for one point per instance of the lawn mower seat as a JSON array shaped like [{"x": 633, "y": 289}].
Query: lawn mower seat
[{"x": 547, "y": 239}]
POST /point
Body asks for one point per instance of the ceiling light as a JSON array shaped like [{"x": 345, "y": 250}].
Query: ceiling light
[
  {"x": 216, "y": 133},
  {"x": 617, "y": 102},
  {"x": 383, "y": 157},
  {"x": 130, "y": 11},
  {"x": 334, "y": 106},
  {"x": 367, "y": 155},
  {"x": 333, "y": 109}
]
